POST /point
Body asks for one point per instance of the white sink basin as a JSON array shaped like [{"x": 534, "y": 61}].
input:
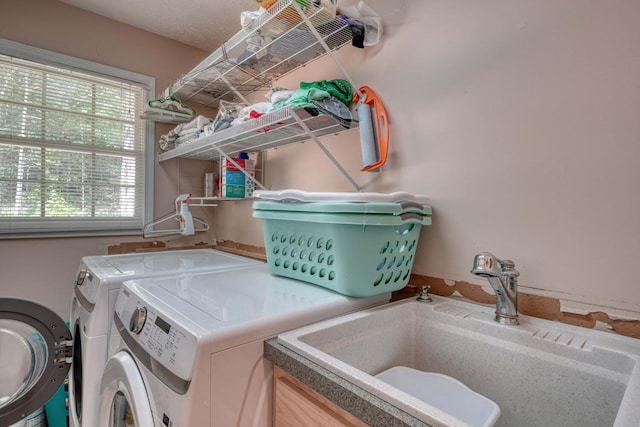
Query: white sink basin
[{"x": 540, "y": 373}]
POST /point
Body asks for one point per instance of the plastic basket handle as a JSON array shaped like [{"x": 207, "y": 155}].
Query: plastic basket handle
[
  {"x": 411, "y": 218},
  {"x": 410, "y": 205}
]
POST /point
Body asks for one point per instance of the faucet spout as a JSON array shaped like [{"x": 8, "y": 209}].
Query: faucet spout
[{"x": 503, "y": 278}]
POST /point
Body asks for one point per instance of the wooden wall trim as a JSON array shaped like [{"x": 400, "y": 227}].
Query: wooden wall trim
[{"x": 528, "y": 304}]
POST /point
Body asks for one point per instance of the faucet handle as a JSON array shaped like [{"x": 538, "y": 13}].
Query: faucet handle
[
  {"x": 506, "y": 263},
  {"x": 508, "y": 268},
  {"x": 424, "y": 294}
]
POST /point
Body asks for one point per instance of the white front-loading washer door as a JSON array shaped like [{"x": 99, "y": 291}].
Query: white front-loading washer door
[
  {"x": 124, "y": 399},
  {"x": 35, "y": 355}
]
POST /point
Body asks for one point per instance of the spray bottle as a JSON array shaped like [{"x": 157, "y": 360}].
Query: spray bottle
[{"x": 184, "y": 215}]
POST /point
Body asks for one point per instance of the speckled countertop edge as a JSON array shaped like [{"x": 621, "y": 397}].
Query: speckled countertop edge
[{"x": 362, "y": 404}]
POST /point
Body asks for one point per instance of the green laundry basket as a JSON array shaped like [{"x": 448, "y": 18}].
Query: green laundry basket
[{"x": 356, "y": 254}]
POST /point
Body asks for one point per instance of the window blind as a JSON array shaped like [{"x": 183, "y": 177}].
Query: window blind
[{"x": 71, "y": 150}]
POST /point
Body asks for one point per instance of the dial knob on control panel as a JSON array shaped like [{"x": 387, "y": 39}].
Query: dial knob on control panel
[
  {"x": 82, "y": 274},
  {"x": 138, "y": 318}
]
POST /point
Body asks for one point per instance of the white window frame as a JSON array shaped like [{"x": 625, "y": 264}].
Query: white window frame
[{"x": 30, "y": 53}]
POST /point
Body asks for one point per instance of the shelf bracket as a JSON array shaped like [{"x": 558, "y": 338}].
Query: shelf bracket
[
  {"x": 335, "y": 162},
  {"x": 326, "y": 47}
]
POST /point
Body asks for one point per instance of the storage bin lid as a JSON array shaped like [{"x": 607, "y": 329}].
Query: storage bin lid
[
  {"x": 342, "y": 203},
  {"x": 370, "y": 208},
  {"x": 293, "y": 195}
]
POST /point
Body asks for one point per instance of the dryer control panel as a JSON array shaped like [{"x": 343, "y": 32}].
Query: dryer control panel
[
  {"x": 87, "y": 284},
  {"x": 93, "y": 274},
  {"x": 152, "y": 334}
]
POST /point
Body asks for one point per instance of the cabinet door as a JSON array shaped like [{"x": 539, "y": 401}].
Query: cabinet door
[{"x": 295, "y": 405}]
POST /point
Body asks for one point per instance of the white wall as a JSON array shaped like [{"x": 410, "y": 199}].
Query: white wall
[{"x": 520, "y": 119}]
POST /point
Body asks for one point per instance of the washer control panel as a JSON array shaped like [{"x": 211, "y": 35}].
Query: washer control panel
[{"x": 156, "y": 333}]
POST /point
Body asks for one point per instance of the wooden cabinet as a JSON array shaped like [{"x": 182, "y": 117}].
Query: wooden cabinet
[{"x": 296, "y": 404}]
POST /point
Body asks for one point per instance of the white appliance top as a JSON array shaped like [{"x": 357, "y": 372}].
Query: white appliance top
[
  {"x": 222, "y": 309},
  {"x": 118, "y": 268},
  {"x": 97, "y": 275}
]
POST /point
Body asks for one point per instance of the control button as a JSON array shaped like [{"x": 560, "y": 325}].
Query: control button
[
  {"x": 82, "y": 274},
  {"x": 138, "y": 318}
]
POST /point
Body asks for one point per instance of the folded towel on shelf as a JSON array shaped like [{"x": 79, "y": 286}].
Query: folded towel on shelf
[
  {"x": 167, "y": 141},
  {"x": 183, "y": 133},
  {"x": 219, "y": 125},
  {"x": 195, "y": 125},
  {"x": 303, "y": 97},
  {"x": 187, "y": 138},
  {"x": 278, "y": 94},
  {"x": 339, "y": 88}
]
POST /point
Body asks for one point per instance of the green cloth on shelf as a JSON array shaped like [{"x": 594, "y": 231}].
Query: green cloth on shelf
[
  {"x": 303, "y": 97},
  {"x": 339, "y": 88}
]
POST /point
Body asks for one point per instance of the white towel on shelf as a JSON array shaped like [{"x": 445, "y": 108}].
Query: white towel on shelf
[
  {"x": 187, "y": 138},
  {"x": 167, "y": 141},
  {"x": 279, "y": 95},
  {"x": 195, "y": 125},
  {"x": 184, "y": 133}
]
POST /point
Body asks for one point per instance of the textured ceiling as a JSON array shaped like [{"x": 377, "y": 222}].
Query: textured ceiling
[{"x": 204, "y": 24}]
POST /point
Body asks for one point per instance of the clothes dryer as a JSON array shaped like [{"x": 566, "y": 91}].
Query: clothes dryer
[
  {"x": 92, "y": 306},
  {"x": 188, "y": 350},
  {"x": 35, "y": 355}
]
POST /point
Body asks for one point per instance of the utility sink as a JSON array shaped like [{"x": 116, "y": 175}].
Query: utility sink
[{"x": 539, "y": 373}]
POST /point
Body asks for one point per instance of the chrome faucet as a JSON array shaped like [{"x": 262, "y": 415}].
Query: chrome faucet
[{"x": 503, "y": 278}]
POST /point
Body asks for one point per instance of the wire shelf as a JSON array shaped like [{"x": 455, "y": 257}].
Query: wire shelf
[
  {"x": 289, "y": 35},
  {"x": 281, "y": 41},
  {"x": 271, "y": 130}
]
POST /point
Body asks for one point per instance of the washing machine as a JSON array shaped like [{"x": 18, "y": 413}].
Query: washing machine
[
  {"x": 92, "y": 306},
  {"x": 35, "y": 356},
  {"x": 187, "y": 350}
]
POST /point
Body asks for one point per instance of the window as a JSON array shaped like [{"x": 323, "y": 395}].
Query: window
[{"x": 73, "y": 156}]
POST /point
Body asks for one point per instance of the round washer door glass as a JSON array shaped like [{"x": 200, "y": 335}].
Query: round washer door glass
[
  {"x": 35, "y": 355},
  {"x": 124, "y": 399}
]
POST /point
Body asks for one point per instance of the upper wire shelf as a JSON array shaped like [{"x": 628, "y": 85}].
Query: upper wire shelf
[{"x": 279, "y": 42}]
